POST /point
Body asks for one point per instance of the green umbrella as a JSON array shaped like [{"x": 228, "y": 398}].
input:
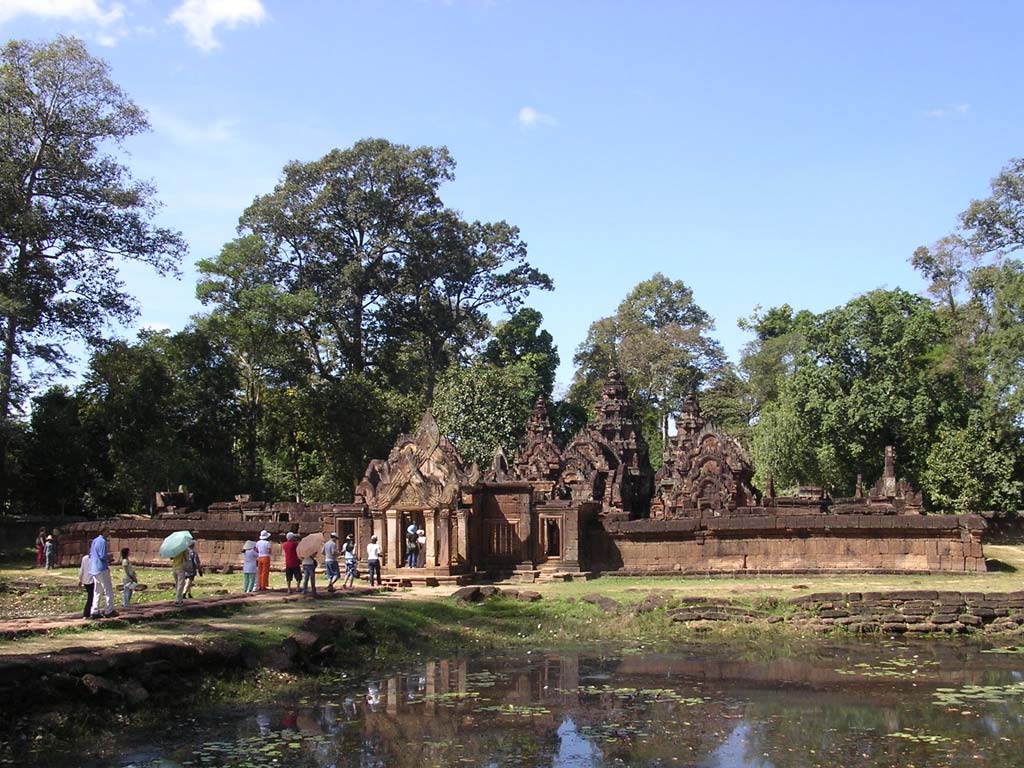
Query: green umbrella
[{"x": 175, "y": 544}]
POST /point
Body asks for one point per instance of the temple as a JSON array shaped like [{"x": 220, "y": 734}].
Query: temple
[{"x": 594, "y": 506}]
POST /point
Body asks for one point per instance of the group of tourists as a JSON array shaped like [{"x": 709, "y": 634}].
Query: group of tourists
[
  {"x": 96, "y": 579},
  {"x": 415, "y": 547},
  {"x": 302, "y": 570}
]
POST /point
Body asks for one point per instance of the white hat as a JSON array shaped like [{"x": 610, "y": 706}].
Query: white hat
[
  {"x": 264, "y": 534},
  {"x": 290, "y": 536},
  {"x": 412, "y": 529},
  {"x": 248, "y": 545},
  {"x": 334, "y": 535}
]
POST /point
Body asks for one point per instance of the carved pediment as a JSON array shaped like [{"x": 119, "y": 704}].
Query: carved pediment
[{"x": 423, "y": 471}]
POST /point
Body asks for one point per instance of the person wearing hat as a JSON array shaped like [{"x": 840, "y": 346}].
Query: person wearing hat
[
  {"x": 249, "y": 566},
  {"x": 351, "y": 561},
  {"x": 50, "y": 553},
  {"x": 331, "y": 561},
  {"x": 292, "y": 565},
  {"x": 263, "y": 548},
  {"x": 373, "y": 559}
]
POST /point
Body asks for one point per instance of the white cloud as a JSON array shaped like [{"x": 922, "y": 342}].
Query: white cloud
[
  {"x": 75, "y": 10},
  {"x": 530, "y": 117},
  {"x": 956, "y": 109},
  {"x": 201, "y": 17},
  {"x": 188, "y": 133},
  {"x": 157, "y": 327}
]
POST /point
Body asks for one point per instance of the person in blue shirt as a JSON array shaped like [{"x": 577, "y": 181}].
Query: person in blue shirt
[{"x": 99, "y": 568}]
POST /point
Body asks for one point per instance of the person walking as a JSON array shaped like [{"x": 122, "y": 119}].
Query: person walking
[
  {"x": 193, "y": 568},
  {"x": 130, "y": 580},
  {"x": 292, "y": 563},
  {"x": 373, "y": 559},
  {"x": 309, "y": 575},
  {"x": 263, "y": 548},
  {"x": 249, "y": 566},
  {"x": 50, "y": 553},
  {"x": 351, "y": 562},
  {"x": 85, "y": 581},
  {"x": 331, "y": 561},
  {"x": 40, "y": 548},
  {"x": 178, "y": 568},
  {"x": 99, "y": 567}
]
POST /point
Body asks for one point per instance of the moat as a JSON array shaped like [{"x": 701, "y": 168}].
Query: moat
[{"x": 876, "y": 703}]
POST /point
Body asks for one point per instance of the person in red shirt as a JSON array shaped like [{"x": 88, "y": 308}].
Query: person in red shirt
[{"x": 292, "y": 565}]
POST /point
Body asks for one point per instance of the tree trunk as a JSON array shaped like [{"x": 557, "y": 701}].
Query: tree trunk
[{"x": 6, "y": 388}]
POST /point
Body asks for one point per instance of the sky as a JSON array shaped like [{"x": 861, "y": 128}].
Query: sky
[{"x": 762, "y": 153}]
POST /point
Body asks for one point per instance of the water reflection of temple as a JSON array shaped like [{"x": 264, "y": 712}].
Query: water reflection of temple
[{"x": 644, "y": 709}]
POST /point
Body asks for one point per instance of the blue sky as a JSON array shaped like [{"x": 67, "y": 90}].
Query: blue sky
[{"x": 761, "y": 152}]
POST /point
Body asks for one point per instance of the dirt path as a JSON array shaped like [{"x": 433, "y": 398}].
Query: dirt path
[{"x": 201, "y": 617}]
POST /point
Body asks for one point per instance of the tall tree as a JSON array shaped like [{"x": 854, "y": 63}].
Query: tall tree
[
  {"x": 520, "y": 339},
  {"x": 69, "y": 209},
  {"x": 338, "y": 229},
  {"x": 659, "y": 340}
]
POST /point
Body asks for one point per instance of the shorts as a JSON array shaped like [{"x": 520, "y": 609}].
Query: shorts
[
  {"x": 293, "y": 573},
  {"x": 331, "y": 566},
  {"x": 350, "y": 568}
]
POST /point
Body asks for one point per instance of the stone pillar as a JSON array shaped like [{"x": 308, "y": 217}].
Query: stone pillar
[
  {"x": 392, "y": 544},
  {"x": 392, "y": 707},
  {"x": 444, "y": 555},
  {"x": 463, "y": 545},
  {"x": 430, "y": 527}
]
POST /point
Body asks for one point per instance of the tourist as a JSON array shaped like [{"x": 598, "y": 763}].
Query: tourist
[
  {"x": 263, "y": 548},
  {"x": 99, "y": 567},
  {"x": 130, "y": 580},
  {"x": 40, "y": 547},
  {"x": 291, "y": 561},
  {"x": 373, "y": 559},
  {"x": 193, "y": 568},
  {"x": 178, "y": 568},
  {"x": 351, "y": 562},
  {"x": 249, "y": 566},
  {"x": 85, "y": 581},
  {"x": 331, "y": 561},
  {"x": 411, "y": 547},
  {"x": 309, "y": 575},
  {"x": 421, "y": 547},
  {"x": 50, "y": 553}
]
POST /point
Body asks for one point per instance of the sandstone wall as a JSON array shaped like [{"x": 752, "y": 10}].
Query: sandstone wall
[{"x": 789, "y": 544}]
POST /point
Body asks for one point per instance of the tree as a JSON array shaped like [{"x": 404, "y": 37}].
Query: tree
[
  {"x": 659, "y": 340},
  {"x": 483, "y": 407},
  {"x": 864, "y": 380},
  {"x": 995, "y": 224},
  {"x": 521, "y": 340},
  {"x": 256, "y": 321},
  {"x": 69, "y": 208},
  {"x": 55, "y": 455},
  {"x": 338, "y": 229}
]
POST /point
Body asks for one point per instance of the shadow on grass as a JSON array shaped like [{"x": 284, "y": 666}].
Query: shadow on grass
[{"x": 998, "y": 566}]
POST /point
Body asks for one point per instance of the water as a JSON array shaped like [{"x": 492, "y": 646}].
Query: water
[{"x": 880, "y": 704}]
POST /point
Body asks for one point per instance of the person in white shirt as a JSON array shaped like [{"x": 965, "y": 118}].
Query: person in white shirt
[
  {"x": 263, "y": 548},
  {"x": 373, "y": 559},
  {"x": 86, "y": 582},
  {"x": 249, "y": 566}
]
